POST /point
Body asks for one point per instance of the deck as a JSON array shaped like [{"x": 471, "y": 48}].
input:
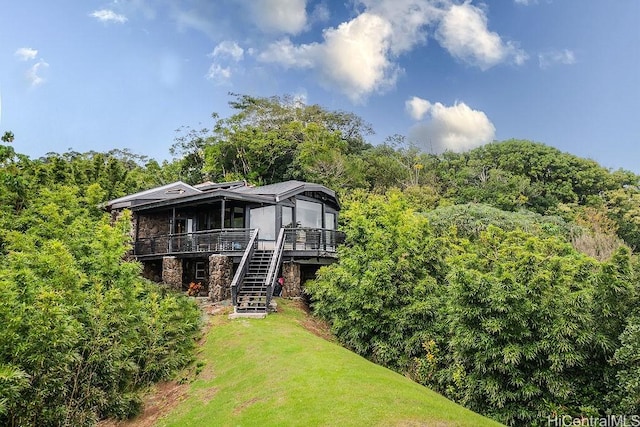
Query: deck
[{"x": 307, "y": 242}]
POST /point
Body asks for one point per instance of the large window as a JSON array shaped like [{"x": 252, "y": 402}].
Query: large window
[
  {"x": 287, "y": 216},
  {"x": 234, "y": 217},
  {"x": 330, "y": 220},
  {"x": 308, "y": 214},
  {"x": 264, "y": 219}
]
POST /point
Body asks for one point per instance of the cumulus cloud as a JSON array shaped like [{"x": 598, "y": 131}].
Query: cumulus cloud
[
  {"x": 26, "y": 53},
  {"x": 106, "y": 15},
  {"x": 409, "y": 20},
  {"x": 34, "y": 74},
  {"x": 417, "y": 107},
  {"x": 455, "y": 128},
  {"x": 359, "y": 57},
  {"x": 285, "y": 53},
  {"x": 464, "y": 32},
  {"x": 279, "y": 16},
  {"x": 556, "y": 57},
  {"x": 229, "y": 49},
  {"x": 352, "y": 58},
  {"x": 218, "y": 73},
  {"x": 224, "y": 53}
]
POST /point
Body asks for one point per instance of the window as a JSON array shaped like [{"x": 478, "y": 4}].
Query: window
[
  {"x": 309, "y": 214},
  {"x": 201, "y": 271},
  {"x": 264, "y": 219},
  {"x": 330, "y": 221},
  {"x": 287, "y": 216},
  {"x": 234, "y": 217}
]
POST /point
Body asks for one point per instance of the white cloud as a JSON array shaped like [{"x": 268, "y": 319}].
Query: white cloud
[
  {"x": 525, "y": 2},
  {"x": 320, "y": 13},
  {"x": 279, "y": 16},
  {"x": 464, "y": 33},
  {"x": 228, "y": 49},
  {"x": 352, "y": 58},
  {"x": 218, "y": 73},
  {"x": 26, "y": 53},
  {"x": 556, "y": 57},
  {"x": 106, "y": 15},
  {"x": 34, "y": 73},
  {"x": 359, "y": 57},
  {"x": 456, "y": 128},
  {"x": 409, "y": 20},
  {"x": 285, "y": 53},
  {"x": 417, "y": 107}
]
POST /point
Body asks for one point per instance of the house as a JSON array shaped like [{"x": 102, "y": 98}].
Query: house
[{"x": 234, "y": 239}]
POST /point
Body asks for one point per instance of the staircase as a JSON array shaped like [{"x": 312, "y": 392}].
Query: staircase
[{"x": 252, "y": 295}]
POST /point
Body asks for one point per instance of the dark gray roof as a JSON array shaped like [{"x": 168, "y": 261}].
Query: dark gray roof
[
  {"x": 175, "y": 190},
  {"x": 284, "y": 190},
  {"x": 180, "y": 193},
  {"x": 208, "y": 186}
]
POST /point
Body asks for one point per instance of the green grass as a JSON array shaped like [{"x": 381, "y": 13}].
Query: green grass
[{"x": 273, "y": 371}]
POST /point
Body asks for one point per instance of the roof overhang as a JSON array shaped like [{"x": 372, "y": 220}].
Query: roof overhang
[{"x": 201, "y": 199}]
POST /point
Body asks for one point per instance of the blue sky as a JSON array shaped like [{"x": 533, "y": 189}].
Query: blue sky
[{"x": 448, "y": 74}]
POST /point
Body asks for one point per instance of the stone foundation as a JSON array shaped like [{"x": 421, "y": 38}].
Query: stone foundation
[
  {"x": 172, "y": 272},
  {"x": 292, "y": 280},
  {"x": 220, "y": 277},
  {"x": 152, "y": 270}
]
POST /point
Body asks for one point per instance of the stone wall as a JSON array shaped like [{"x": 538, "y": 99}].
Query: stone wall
[
  {"x": 172, "y": 272},
  {"x": 152, "y": 270},
  {"x": 292, "y": 280},
  {"x": 153, "y": 225},
  {"x": 220, "y": 277}
]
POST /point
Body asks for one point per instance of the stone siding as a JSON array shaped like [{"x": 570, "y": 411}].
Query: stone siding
[
  {"x": 153, "y": 225},
  {"x": 220, "y": 277},
  {"x": 152, "y": 270},
  {"x": 292, "y": 287},
  {"x": 172, "y": 272}
]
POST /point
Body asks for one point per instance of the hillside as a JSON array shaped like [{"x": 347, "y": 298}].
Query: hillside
[{"x": 277, "y": 372}]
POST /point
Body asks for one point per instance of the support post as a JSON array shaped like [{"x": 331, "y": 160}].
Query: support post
[
  {"x": 220, "y": 277},
  {"x": 172, "y": 272},
  {"x": 292, "y": 287}
]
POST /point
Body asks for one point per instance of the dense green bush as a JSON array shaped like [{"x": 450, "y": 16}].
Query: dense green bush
[
  {"x": 514, "y": 323},
  {"x": 82, "y": 332}
]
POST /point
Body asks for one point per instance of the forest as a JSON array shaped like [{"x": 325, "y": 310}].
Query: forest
[{"x": 504, "y": 278}]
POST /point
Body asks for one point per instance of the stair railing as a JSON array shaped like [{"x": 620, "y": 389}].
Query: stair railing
[
  {"x": 274, "y": 266},
  {"x": 238, "y": 278}
]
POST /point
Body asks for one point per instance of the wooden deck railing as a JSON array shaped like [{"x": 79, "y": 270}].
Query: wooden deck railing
[{"x": 315, "y": 240}]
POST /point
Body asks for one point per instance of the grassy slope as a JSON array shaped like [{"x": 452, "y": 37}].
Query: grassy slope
[{"x": 275, "y": 372}]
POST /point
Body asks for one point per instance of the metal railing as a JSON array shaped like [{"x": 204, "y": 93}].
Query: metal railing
[
  {"x": 315, "y": 240},
  {"x": 238, "y": 278},
  {"x": 312, "y": 239},
  {"x": 226, "y": 240},
  {"x": 276, "y": 259}
]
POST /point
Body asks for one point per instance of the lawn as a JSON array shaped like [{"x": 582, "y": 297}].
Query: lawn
[{"x": 274, "y": 371}]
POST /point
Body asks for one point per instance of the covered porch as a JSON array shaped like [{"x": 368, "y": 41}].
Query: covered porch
[{"x": 298, "y": 242}]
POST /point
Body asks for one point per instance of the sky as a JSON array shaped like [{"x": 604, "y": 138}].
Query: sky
[{"x": 447, "y": 74}]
